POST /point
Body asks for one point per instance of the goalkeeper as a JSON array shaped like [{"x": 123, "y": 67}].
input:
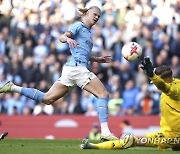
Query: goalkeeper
[
  {"x": 169, "y": 133},
  {"x": 162, "y": 78}
]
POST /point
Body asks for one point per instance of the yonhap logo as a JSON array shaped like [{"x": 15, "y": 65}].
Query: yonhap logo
[{"x": 157, "y": 140}]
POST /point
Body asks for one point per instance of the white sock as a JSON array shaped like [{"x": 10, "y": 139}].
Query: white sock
[
  {"x": 15, "y": 88},
  {"x": 105, "y": 128}
]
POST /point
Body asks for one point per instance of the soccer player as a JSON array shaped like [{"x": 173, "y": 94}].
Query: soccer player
[
  {"x": 75, "y": 71},
  {"x": 169, "y": 134}
]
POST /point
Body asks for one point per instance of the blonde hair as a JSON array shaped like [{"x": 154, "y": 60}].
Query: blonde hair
[{"x": 83, "y": 11}]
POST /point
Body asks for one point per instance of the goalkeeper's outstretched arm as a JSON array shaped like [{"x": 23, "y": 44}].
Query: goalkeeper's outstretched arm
[{"x": 162, "y": 77}]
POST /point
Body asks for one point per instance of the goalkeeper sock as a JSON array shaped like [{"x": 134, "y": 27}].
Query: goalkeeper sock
[
  {"x": 33, "y": 94},
  {"x": 102, "y": 110}
]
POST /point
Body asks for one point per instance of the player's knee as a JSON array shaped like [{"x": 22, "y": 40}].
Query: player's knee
[
  {"x": 48, "y": 100},
  {"x": 103, "y": 94}
]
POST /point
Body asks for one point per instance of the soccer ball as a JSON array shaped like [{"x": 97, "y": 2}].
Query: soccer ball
[{"x": 131, "y": 51}]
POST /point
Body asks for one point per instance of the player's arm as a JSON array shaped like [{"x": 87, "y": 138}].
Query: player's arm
[
  {"x": 172, "y": 91},
  {"x": 160, "y": 83},
  {"x": 105, "y": 59},
  {"x": 167, "y": 88},
  {"x": 149, "y": 69},
  {"x": 66, "y": 38}
]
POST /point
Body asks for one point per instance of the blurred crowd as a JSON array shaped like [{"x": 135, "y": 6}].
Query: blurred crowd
[{"x": 32, "y": 56}]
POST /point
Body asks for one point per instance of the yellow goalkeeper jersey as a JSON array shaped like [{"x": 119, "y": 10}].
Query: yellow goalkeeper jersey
[{"x": 170, "y": 104}]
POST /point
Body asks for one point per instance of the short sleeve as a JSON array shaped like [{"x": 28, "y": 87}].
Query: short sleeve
[{"x": 74, "y": 28}]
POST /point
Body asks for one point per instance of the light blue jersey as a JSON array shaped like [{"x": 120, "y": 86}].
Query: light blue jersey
[{"x": 82, "y": 35}]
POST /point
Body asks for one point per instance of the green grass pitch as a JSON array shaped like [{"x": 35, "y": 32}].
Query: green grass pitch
[{"x": 42, "y": 146}]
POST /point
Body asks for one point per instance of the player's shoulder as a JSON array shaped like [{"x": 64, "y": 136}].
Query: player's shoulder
[
  {"x": 175, "y": 84},
  {"x": 77, "y": 24},
  {"x": 176, "y": 81}
]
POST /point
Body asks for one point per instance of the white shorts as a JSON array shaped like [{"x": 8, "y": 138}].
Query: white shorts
[{"x": 76, "y": 75}]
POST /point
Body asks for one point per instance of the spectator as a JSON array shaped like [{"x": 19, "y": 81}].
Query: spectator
[
  {"x": 175, "y": 62},
  {"x": 147, "y": 105},
  {"x": 115, "y": 104},
  {"x": 40, "y": 51},
  {"x": 74, "y": 105},
  {"x": 88, "y": 101},
  {"x": 10, "y": 104},
  {"x": 94, "y": 133},
  {"x": 2, "y": 45},
  {"x": 114, "y": 84},
  {"x": 129, "y": 97},
  {"x": 108, "y": 32},
  {"x": 40, "y": 109},
  {"x": 15, "y": 46},
  {"x": 125, "y": 73},
  {"x": 14, "y": 68},
  {"x": 28, "y": 71},
  {"x": 28, "y": 48}
]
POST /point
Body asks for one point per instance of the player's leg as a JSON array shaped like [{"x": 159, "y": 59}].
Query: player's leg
[
  {"x": 57, "y": 91},
  {"x": 89, "y": 82},
  {"x": 96, "y": 87},
  {"x": 115, "y": 144},
  {"x": 173, "y": 140},
  {"x": 150, "y": 140},
  {"x": 122, "y": 143},
  {"x": 158, "y": 139},
  {"x": 155, "y": 139}
]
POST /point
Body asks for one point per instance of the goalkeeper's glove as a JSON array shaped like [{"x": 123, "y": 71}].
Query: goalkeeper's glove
[{"x": 147, "y": 66}]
